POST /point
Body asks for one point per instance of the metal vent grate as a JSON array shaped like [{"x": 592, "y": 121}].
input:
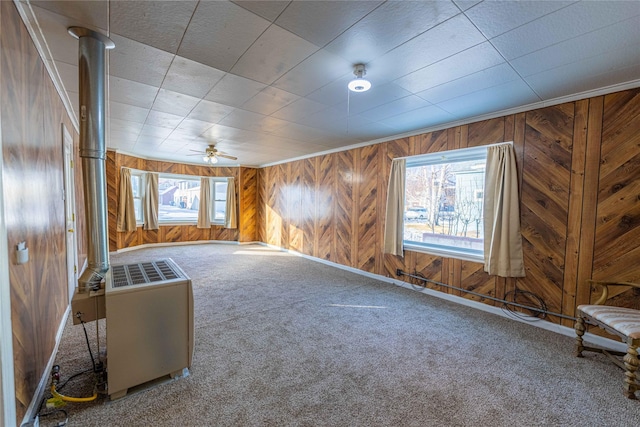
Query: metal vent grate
[{"x": 144, "y": 272}]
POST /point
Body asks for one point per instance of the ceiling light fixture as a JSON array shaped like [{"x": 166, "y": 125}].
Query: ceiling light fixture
[
  {"x": 210, "y": 159},
  {"x": 359, "y": 84}
]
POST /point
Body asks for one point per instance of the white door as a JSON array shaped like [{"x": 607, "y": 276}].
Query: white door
[{"x": 70, "y": 212}]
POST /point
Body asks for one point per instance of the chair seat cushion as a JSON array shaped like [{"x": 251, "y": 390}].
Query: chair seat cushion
[{"x": 624, "y": 320}]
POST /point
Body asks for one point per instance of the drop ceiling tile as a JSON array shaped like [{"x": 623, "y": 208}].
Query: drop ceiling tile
[
  {"x": 566, "y": 23},
  {"x": 269, "y": 10},
  {"x": 419, "y": 119},
  {"x": 621, "y": 35},
  {"x": 148, "y": 140},
  {"x": 266, "y": 60},
  {"x": 394, "y": 108},
  {"x": 497, "y": 17},
  {"x": 219, "y": 33},
  {"x": 613, "y": 67},
  {"x": 221, "y": 132},
  {"x": 125, "y": 126},
  {"x": 376, "y": 96},
  {"x": 489, "y": 77},
  {"x": 234, "y": 90},
  {"x": 316, "y": 71},
  {"x": 334, "y": 120},
  {"x": 165, "y": 120},
  {"x": 160, "y": 24},
  {"x": 69, "y": 75},
  {"x": 269, "y": 100},
  {"x": 191, "y": 78},
  {"x": 135, "y": 61},
  {"x": 319, "y": 22},
  {"x": 447, "y": 39},
  {"x": 155, "y": 131},
  {"x": 118, "y": 142},
  {"x": 62, "y": 45},
  {"x": 90, "y": 14},
  {"x": 459, "y": 65},
  {"x": 132, "y": 93},
  {"x": 298, "y": 109},
  {"x": 193, "y": 127},
  {"x": 371, "y": 37},
  {"x": 301, "y": 133},
  {"x": 335, "y": 92},
  {"x": 466, "y": 4},
  {"x": 493, "y": 99},
  {"x": 255, "y": 122},
  {"x": 118, "y": 110},
  {"x": 175, "y": 103},
  {"x": 209, "y": 111}
]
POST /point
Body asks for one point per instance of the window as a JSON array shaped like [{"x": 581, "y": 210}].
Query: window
[
  {"x": 136, "y": 187},
  {"x": 219, "y": 200},
  {"x": 444, "y": 203},
  {"x": 178, "y": 198}
]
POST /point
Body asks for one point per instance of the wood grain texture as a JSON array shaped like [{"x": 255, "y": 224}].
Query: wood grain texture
[
  {"x": 295, "y": 229},
  {"x": 367, "y": 208},
  {"x": 248, "y": 205},
  {"x": 309, "y": 206},
  {"x": 486, "y": 132},
  {"x": 344, "y": 208},
  {"x": 33, "y": 169},
  {"x": 325, "y": 226}
]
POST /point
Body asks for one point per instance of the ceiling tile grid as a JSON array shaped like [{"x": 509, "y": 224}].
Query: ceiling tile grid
[{"x": 267, "y": 79}]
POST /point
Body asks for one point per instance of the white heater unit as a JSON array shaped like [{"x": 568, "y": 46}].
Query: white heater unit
[{"x": 149, "y": 311}]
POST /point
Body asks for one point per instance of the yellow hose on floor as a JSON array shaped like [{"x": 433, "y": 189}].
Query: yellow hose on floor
[{"x": 72, "y": 399}]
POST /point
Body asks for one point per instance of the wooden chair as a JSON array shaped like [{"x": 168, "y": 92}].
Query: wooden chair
[{"x": 619, "y": 321}]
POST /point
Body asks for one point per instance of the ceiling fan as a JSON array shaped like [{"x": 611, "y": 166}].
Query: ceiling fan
[{"x": 211, "y": 154}]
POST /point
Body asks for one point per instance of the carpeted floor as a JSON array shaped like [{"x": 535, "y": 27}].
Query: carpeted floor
[{"x": 285, "y": 341}]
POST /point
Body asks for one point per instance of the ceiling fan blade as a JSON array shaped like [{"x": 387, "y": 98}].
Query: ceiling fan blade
[{"x": 226, "y": 156}]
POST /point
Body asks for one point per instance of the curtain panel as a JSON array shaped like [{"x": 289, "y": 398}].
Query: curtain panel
[
  {"x": 204, "y": 209},
  {"x": 231, "y": 221},
  {"x": 126, "y": 220},
  {"x": 502, "y": 239},
  {"x": 150, "y": 207},
  {"x": 393, "y": 231}
]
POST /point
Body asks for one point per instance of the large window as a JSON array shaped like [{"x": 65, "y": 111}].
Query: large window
[
  {"x": 444, "y": 203},
  {"x": 219, "y": 197},
  {"x": 178, "y": 198}
]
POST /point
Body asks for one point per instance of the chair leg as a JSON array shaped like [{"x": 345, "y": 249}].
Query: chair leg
[
  {"x": 580, "y": 328},
  {"x": 631, "y": 362}
]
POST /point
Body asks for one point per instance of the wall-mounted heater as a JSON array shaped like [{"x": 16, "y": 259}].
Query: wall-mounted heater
[{"x": 149, "y": 311}]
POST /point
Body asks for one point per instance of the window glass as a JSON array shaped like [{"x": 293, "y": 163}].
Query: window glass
[
  {"x": 136, "y": 187},
  {"x": 219, "y": 198},
  {"x": 178, "y": 198},
  {"x": 444, "y": 202}
]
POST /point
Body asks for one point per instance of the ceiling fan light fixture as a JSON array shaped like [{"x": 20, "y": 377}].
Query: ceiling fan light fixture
[{"x": 359, "y": 84}]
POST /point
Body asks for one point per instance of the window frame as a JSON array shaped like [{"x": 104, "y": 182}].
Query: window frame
[
  {"x": 439, "y": 158},
  {"x": 176, "y": 176},
  {"x": 213, "y": 200},
  {"x": 142, "y": 177}
]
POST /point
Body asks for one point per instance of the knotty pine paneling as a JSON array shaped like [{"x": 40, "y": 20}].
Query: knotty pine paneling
[
  {"x": 168, "y": 233},
  {"x": 262, "y": 206},
  {"x": 31, "y": 114},
  {"x": 558, "y": 158},
  {"x": 294, "y": 232}
]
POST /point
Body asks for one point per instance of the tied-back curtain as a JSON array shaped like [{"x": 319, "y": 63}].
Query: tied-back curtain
[
  {"x": 204, "y": 210},
  {"x": 231, "y": 221},
  {"x": 126, "y": 210},
  {"x": 150, "y": 208},
  {"x": 393, "y": 231},
  {"x": 502, "y": 239}
]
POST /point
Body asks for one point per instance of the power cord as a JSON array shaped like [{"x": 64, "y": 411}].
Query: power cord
[
  {"x": 538, "y": 305},
  {"x": 86, "y": 337}
]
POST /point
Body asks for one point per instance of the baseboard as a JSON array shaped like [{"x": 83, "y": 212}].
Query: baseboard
[
  {"x": 32, "y": 410},
  {"x": 589, "y": 338},
  {"x": 194, "y": 242}
]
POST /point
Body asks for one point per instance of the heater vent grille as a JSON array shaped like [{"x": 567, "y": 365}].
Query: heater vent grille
[{"x": 145, "y": 272}]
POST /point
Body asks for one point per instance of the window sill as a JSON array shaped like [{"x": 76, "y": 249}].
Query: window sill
[{"x": 444, "y": 252}]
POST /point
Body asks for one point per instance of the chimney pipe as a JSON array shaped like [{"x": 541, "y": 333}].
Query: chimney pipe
[{"x": 91, "y": 64}]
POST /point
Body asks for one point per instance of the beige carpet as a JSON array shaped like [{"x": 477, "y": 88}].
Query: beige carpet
[{"x": 285, "y": 341}]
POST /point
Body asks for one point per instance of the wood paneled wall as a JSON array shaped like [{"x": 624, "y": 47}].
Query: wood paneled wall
[
  {"x": 246, "y": 190},
  {"x": 31, "y": 118},
  {"x": 580, "y": 210}
]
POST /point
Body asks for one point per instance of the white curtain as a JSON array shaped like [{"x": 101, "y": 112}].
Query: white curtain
[
  {"x": 126, "y": 220},
  {"x": 150, "y": 208},
  {"x": 231, "y": 221},
  {"x": 393, "y": 231},
  {"x": 204, "y": 210},
  {"x": 502, "y": 238}
]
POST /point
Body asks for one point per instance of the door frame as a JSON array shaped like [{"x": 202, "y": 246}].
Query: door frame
[{"x": 70, "y": 209}]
